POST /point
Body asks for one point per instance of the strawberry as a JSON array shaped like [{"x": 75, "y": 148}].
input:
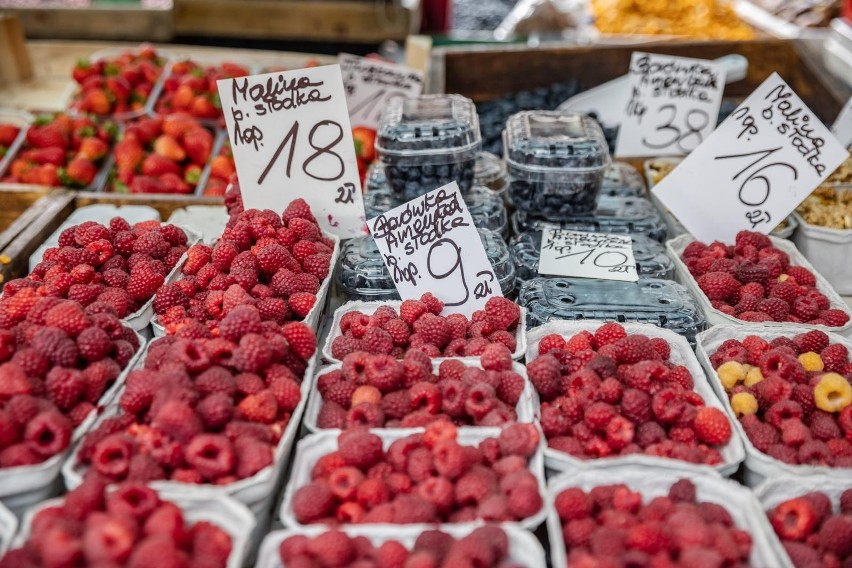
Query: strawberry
[
  {"x": 96, "y": 101},
  {"x": 80, "y": 172},
  {"x": 146, "y": 184},
  {"x": 8, "y": 134},
  {"x": 168, "y": 147},
  {"x": 47, "y": 136},
  {"x": 95, "y": 149},
  {"x": 198, "y": 143},
  {"x": 222, "y": 167},
  {"x": 156, "y": 165},
  {"x": 128, "y": 153},
  {"x": 52, "y": 155},
  {"x": 173, "y": 183}
]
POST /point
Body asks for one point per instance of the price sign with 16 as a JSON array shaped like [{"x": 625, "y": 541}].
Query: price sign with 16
[
  {"x": 430, "y": 244},
  {"x": 587, "y": 255},
  {"x": 754, "y": 169},
  {"x": 291, "y": 138}
]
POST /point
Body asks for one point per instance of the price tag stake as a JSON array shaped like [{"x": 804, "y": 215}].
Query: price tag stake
[{"x": 587, "y": 255}]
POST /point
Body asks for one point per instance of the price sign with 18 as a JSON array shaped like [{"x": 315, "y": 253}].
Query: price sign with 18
[
  {"x": 291, "y": 138},
  {"x": 754, "y": 169},
  {"x": 672, "y": 106},
  {"x": 430, "y": 244},
  {"x": 587, "y": 255},
  {"x": 371, "y": 83}
]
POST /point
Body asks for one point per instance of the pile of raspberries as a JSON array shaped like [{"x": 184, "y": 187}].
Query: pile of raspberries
[
  {"x": 612, "y": 526},
  {"x": 423, "y": 478},
  {"x": 792, "y": 396},
  {"x": 419, "y": 325},
  {"x": 58, "y": 360},
  {"x": 754, "y": 281},
  {"x": 378, "y": 391},
  {"x": 611, "y": 394},
  {"x": 204, "y": 410},
  {"x": 128, "y": 526},
  {"x": 116, "y": 265},
  {"x": 275, "y": 263}
]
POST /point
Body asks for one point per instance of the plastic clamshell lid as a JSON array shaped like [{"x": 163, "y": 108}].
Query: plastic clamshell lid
[{"x": 428, "y": 124}]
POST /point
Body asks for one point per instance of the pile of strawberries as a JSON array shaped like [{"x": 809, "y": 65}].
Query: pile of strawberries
[
  {"x": 57, "y": 361},
  {"x": 754, "y": 281},
  {"x": 613, "y": 394},
  {"x": 205, "y": 410},
  {"x": 222, "y": 171},
  {"x": 423, "y": 478},
  {"x": 129, "y": 526},
  {"x": 486, "y": 547},
  {"x": 191, "y": 87},
  {"x": 419, "y": 325},
  {"x": 275, "y": 263},
  {"x": 8, "y": 135},
  {"x": 378, "y": 391},
  {"x": 812, "y": 534},
  {"x": 611, "y": 526},
  {"x": 118, "y": 267},
  {"x": 792, "y": 396},
  {"x": 60, "y": 150},
  {"x": 117, "y": 85},
  {"x": 161, "y": 155}
]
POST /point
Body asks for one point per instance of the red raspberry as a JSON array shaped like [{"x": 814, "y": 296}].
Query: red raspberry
[
  {"x": 545, "y": 375},
  {"x": 318, "y": 265},
  {"x": 425, "y": 396},
  {"x": 48, "y": 434},
  {"x": 301, "y": 303},
  {"x": 609, "y": 333},
  {"x": 583, "y": 341},
  {"x": 719, "y": 285},
  {"x": 681, "y": 376},
  {"x": 712, "y": 426},
  {"x": 496, "y": 357},
  {"x": 776, "y": 308},
  {"x": 511, "y": 387},
  {"x": 814, "y": 341},
  {"x": 598, "y": 415},
  {"x": 411, "y": 310},
  {"x": 662, "y": 347},
  {"x": 501, "y": 313},
  {"x": 802, "y": 276},
  {"x": 834, "y": 317},
  {"x": 212, "y": 455},
  {"x": 65, "y": 387},
  {"x": 550, "y": 342},
  {"x": 298, "y": 209},
  {"x": 360, "y": 448},
  {"x": 834, "y": 358},
  {"x": 143, "y": 284},
  {"x": 433, "y": 329},
  {"x": 313, "y": 502},
  {"x": 633, "y": 349},
  {"x": 177, "y": 419}
]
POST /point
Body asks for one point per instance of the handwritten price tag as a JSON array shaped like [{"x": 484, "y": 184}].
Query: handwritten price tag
[
  {"x": 754, "y": 169},
  {"x": 291, "y": 138},
  {"x": 370, "y": 84},
  {"x": 842, "y": 127},
  {"x": 672, "y": 107},
  {"x": 430, "y": 244},
  {"x": 587, "y": 255}
]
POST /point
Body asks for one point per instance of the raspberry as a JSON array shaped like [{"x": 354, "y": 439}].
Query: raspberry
[
  {"x": 776, "y": 308},
  {"x": 301, "y": 303},
  {"x": 360, "y": 448},
  {"x": 501, "y": 313},
  {"x": 545, "y": 375},
  {"x": 633, "y": 349},
  {"x": 609, "y": 333},
  {"x": 48, "y": 434},
  {"x": 793, "y": 519},
  {"x": 411, "y": 310},
  {"x": 582, "y": 341},
  {"x": 834, "y": 358},
  {"x": 496, "y": 357},
  {"x": 712, "y": 426},
  {"x": 143, "y": 284},
  {"x": 177, "y": 419},
  {"x": 834, "y": 317},
  {"x": 313, "y": 502},
  {"x": 511, "y": 387},
  {"x": 93, "y": 344},
  {"x": 718, "y": 285},
  {"x": 211, "y": 455},
  {"x": 744, "y": 403},
  {"x": 832, "y": 393},
  {"x": 801, "y": 275},
  {"x": 318, "y": 265}
]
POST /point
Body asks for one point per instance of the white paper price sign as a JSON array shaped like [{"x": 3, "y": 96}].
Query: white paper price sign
[
  {"x": 754, "y": 169},
  {"x": 587, "y": 255},
  {"x": 843, "y": 124},
  {"x": 430, "y": 244},
  {"x": 672, "y": 106},
  {"x": 371, "y": 83},
  {"x": 291, "y": 138}
]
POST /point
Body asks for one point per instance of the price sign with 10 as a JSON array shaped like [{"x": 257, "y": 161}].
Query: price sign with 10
[
  {"x": 291, "y": 138},
  {"x": 430, "y": 244},
  {"x": 754, "y": 169},
  {"x": 587, "y": 255}
]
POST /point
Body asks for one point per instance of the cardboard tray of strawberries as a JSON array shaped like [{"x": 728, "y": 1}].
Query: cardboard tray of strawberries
[
  {"x": 654, "y": 482},
  {"x": 368, "y": 308},
  {"x": 675, "y": 247},
  {"x": 527, "y": 408},
  {"x": 758, "y": 465},
  {"x": 681, "y": 354},
  {"x": 524, "y": 548},
  {"x": 311, "y": 448},
  {"x": 8, "y": 528},
  {"x": 228, "y": 514},
  {"x": 13, "y": 132}
]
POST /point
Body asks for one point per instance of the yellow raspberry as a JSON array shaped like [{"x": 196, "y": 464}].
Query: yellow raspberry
[
  {"x": 744, "y": 403},
  {"x": 753, "y": 377},
  {"x": 833, "y": 393},
  {"x": 811, "y": 361},
  {"x": 730, "y": 374}
]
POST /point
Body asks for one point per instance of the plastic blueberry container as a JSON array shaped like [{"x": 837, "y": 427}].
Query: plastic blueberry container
[
  {"x": 490, "y": 171},
  {"x": 556, "y": 162},
  {"x": 622, "y": 179},
  {"x": 428, "y": 141},
  {"x": 619, "y": 215},
  {"x": 663, "y": 303},
  {"x": 362, "y": 275},
  {"x": 650, "y": 256}
]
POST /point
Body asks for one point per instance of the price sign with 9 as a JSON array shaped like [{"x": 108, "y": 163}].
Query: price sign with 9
[
  {"x": 754, "y": 169},
  {"x": 291, "y": 138}
]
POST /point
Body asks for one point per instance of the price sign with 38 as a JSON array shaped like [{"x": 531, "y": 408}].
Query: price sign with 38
[
  {"x": 430, "y": 244},
  {"x": 587, "y": 255},
  {"x": 672, "y": 105},
  {"x": 754, "y": 169},
  {"x": 370, "y": 83},
  {"x": 291, "y": 138}
]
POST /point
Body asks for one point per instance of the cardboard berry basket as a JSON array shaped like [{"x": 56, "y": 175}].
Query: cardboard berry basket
[
  {"x": 760, "y": 466},
  {"x": 681, "y": 354},
  {"x": 22, "y": 120},
  {"x": 527, "y": 409},
  {"x": 228, "y": 514},
  {"x": 8, "y": 528},
  {"x": 368, "y": 308},
  {"x": 314, "y": 317},
  {"x": 23, "y": 486},
  {"x": 675, "y": 248},
  {"x": 311, "y": 448},
  {"x": 655, "y": 482},
  {"x": 524, "y": 548},
  {"x": 829, "y": 250}
]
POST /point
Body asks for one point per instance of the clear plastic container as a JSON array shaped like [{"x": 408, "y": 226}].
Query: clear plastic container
[
  {"x": 619, "y": 215},
  {"x": 622, "y": 179},
  {"x": 428, "y": 141},
  {"x": 490, "y": 171},
  {"x": 363, "y": 276},
  {"x": 486, "y": 207},
  {"x": 375, "y": 178},
  {"x": 556, "y": 162},
  {"x": 650, "y": 256},
  {"x": 650, "y": 300}
]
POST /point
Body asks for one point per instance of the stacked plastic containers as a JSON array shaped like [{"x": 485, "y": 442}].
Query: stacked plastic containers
[{"x": 428, "y": 141}]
